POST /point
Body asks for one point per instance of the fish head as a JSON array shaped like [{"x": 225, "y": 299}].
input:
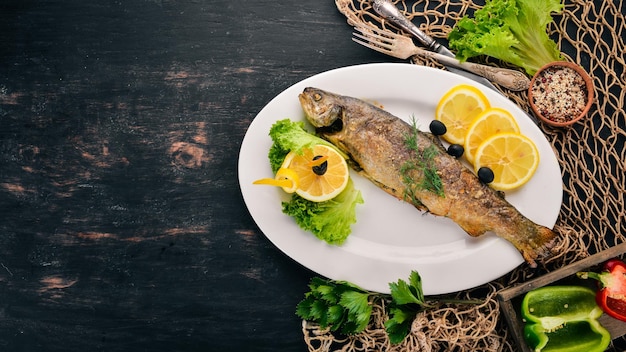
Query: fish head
[{"x": 322, "y": 109}]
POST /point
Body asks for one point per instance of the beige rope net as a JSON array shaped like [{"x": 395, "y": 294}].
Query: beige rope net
[{"x": 591, "y": 155}]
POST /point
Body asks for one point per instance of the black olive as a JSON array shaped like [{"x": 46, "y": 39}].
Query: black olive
[
  {"x": 437, "y": 128},
  {"x": 485, "y": 175},
  {"x": 321, "y": 168},
  {"x": 456, "y": 150}
]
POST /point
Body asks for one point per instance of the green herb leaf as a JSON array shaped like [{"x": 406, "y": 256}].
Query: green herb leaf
[
  {"x": 303, "y": 309},
  {"x": 347, "y": 308},
  {"x": 407, "y": 300},
  {"x": 424, "y": 164},
  {"x": 359, "y": 309},
  {"x": 336, "y": 316},
  {"x": 399, "y": 324},
  {"x": 407, "y": 293},
  {"x": 318, "y": 312},
  {"x": 415, "y": 281},
  {"x": 336, "y": 304},
  {"x": 327, "y": 293}
]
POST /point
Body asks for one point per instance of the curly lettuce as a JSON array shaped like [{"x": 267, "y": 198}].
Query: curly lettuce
[
  {"x": 514, "y": 31},
  {"x": 289, "y": 136},
  {"x": 329, "y": 220}
]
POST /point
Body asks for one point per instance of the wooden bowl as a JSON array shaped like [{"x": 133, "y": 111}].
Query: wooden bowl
[{"x": 572, "y": 92}]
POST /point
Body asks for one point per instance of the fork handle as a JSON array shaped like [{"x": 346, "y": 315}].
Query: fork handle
[
  {"x": 389, "y": 11},
  {"x": 510, "y": 79}
]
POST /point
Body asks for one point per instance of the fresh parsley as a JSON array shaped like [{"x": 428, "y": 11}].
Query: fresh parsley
[
  {"x": 346, "y": 308},
  {"x": 336, "y": 304},
  {"x": 407, "y": 299}
]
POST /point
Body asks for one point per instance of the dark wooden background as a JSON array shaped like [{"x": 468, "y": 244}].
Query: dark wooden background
[{"x": 122, "y": 226}]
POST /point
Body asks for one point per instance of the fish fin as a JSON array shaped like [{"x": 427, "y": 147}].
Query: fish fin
[
  {"x": 473, "y": 231},
  {"x": 541, "y": 247},
  {"x": 356, "y": 167}
]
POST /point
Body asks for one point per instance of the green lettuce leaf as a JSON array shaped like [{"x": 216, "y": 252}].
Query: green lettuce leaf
[{"x": 514, "y": 31}]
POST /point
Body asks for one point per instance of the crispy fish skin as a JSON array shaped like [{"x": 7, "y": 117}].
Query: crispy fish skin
[{"x": 375, "y": 140}]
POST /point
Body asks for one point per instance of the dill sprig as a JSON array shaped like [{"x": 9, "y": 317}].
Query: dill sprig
[{"x": 424, "y": 161}]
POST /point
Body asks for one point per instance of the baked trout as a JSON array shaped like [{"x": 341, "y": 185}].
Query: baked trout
[{"x": 397, "y": 157}]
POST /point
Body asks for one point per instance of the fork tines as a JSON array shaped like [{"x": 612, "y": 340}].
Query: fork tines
[{"x": 375, "y": 39}]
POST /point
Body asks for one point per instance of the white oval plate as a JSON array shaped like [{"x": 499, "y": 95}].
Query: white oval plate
[{"x": 391, "y": 238}]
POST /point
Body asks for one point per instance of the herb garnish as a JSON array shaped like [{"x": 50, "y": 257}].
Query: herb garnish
[
  {"x": 336, "y": 304},
  {"x": 407, "y": 301},
  {"x": 424, "y": 161},
  {"x": 344, "y": 307}
]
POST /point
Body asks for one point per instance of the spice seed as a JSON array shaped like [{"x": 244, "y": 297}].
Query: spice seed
[{"x": 560, "y": 94}]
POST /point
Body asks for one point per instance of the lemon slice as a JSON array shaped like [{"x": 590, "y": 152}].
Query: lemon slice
[
  {"x": 285, "y": 178},
  {"x": 512, "y": 157},
  {"x": 490, "y": 122},
  {"x": 458, "y": 108},
  {"x": 322, "y": 172}
]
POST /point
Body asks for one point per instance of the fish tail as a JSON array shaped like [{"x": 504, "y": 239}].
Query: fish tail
[{"x": 538, "y": 245}]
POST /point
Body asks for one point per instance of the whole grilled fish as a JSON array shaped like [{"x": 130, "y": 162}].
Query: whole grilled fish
[{"x": 377, "y": 144}]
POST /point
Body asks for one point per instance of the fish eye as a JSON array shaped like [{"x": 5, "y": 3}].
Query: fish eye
[{"x": 317, "y": 97}]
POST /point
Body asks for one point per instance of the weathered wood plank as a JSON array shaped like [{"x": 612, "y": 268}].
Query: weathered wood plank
[{"x": 122, "y": 223}]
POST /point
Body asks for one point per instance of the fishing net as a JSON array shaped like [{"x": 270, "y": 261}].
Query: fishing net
[{"x": 591, "y": 155}]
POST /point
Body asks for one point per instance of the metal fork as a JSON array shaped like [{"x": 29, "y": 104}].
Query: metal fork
[{"x": 402, "y": 47}]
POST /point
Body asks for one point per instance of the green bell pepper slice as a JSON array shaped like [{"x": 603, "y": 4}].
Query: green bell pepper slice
[{"x": 563, "y": 319}]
